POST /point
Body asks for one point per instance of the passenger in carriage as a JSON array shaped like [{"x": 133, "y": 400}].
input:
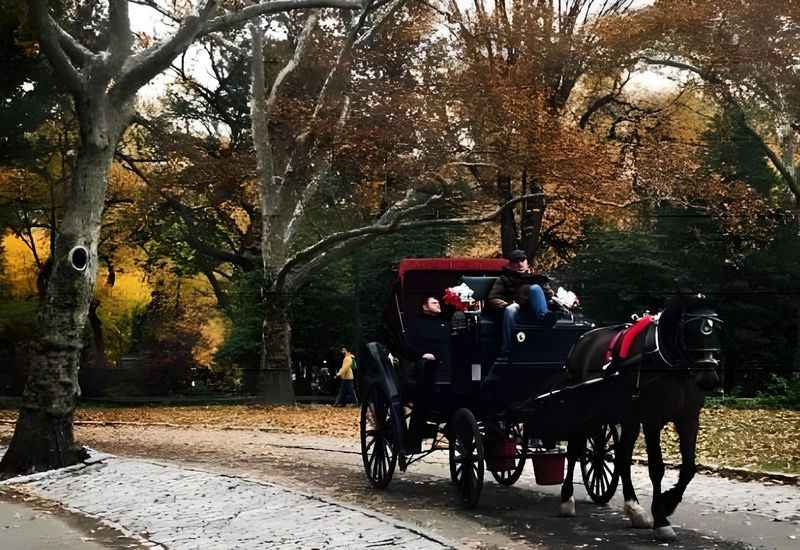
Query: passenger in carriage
[
  {"x": 519, "y": 293},
  {"x": 427, "y": 344},
  {"x": 428, "y": 334}
]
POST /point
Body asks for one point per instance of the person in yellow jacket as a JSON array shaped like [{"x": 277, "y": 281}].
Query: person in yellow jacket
[{"x": 345, "y": 374}]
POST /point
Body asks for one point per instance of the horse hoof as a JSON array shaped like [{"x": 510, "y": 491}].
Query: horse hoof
[
  {"x": 567, "y": 508},
  {"x": 640, "y": 519},
  {"x": 665, "y": 534}
]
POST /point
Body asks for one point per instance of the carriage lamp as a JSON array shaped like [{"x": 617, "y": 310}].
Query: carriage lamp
[{"x": 79, "y": 258}]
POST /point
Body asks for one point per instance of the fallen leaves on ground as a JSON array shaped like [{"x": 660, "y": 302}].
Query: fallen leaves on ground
[
  {"x": 306, "y": 419},
  {"x": 758, "y": 439}
]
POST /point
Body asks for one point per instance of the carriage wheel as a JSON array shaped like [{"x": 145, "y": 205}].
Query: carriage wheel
[
  {"x": 510, "y": 477},
  {"x": 379, "y": 432},
  {"x": 600, "y": 475},
  {"x": 466, "y": 457}
]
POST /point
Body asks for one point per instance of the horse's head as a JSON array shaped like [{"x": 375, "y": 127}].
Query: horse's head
[{"x": 690, "y": 332}]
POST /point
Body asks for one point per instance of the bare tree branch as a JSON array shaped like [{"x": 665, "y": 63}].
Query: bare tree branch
[
  {"x": 121, "y": 37},
  {"x": 140, "y": 68},
  {"x": 306, "y": 137},
  {"x": 295, "y": 269},
  {"x": 388, "y": 12},
  {"x": 51, "y": 36},
  {"x": 77, "y": 52},
  {"x": 266, "y": 8},
  {"x": 291, "y": 65}
]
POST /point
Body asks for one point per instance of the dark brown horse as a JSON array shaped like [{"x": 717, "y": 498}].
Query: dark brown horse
[{"x": 667, "y": 372}]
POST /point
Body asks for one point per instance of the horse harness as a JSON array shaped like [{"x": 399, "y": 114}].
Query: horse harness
[{"x": 645, "y": 330}]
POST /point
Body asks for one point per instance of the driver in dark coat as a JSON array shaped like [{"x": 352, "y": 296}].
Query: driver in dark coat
[{"x": 519, "y": 292}]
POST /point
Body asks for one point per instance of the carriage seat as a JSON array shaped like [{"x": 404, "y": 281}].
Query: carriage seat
[
  {"x": 489, "y": 320},
  {"x": 481, "y": 286}
]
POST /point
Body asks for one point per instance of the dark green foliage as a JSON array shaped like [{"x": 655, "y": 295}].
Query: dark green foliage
[
  {"x": 736, "y": 154},
  {"x": 242, "y": 345},
  {"x": 27, "y": 86},
  {"x": 618, "y": 273}
]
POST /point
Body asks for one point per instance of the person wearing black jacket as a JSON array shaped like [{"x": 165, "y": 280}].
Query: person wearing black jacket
[
  {"x": 428, "y": 335},
  {"x": 427, "y": 344},
  {"x": 519, "y": 291}
]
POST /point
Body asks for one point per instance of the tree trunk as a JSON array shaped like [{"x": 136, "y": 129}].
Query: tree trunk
[
  {"x": 357, "y": 330},
  {"x": 532, "y": 218},
  {"x": 46, "y": 437},
  {"x": 43, "y": 436},
  {"x": 98, "y": 348},
  {"x": 273, "y": 381},
  {"x": 508, "y": 225}
]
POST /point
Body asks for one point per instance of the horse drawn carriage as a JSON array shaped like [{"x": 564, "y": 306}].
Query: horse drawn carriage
[{"x": 490, "y": 410}]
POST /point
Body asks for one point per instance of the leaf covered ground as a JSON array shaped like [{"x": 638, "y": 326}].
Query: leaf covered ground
[{"x": 758, "y": 439}]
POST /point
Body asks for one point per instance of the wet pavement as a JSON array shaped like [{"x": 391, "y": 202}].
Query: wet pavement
[{"x": 28, "y": 523}]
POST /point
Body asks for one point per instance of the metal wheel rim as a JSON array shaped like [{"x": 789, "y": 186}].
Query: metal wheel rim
[
  {"x": 466, "y": 459},
  {"x": 378, "y": 448},
  {"x": 599, "y": 472},
  {"x": 510, "y": 477}
]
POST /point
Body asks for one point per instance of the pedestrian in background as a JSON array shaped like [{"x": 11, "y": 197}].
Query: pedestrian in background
[{"x": 345, "y": 376}]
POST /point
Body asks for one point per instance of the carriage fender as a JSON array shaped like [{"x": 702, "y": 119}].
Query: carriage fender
[{"x": 380, "y": 371}]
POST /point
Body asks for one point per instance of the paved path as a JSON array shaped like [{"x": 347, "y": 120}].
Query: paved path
[
  {"x": 177, "y": 508},
  {"x": 25, "y": 527}
]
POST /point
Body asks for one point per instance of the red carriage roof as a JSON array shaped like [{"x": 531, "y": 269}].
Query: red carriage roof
[{"x": 450, "y": 264}]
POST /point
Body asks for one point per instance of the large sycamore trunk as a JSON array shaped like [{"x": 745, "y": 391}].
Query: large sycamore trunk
[
  {"x": 43, "y": 437},
  {"x": 273, "y": 382}
]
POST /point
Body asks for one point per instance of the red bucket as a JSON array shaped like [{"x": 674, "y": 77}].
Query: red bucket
[
  {"x": 502, "y": 455},
  {"x": 549, "y": 468}
]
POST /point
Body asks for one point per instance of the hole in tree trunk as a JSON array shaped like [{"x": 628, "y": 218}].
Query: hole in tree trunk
[{"x": 79, "y": 258}]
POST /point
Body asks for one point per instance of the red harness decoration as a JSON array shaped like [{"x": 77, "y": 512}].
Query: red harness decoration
[
  {"x": 631, "y": 334},
  {"x": 627, "y": 338}
]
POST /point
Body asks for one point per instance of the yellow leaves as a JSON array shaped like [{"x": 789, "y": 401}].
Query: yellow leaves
[{"x": 20, "y": 270}]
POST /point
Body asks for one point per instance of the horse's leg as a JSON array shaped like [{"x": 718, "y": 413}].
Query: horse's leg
[
  {"x": 575, "y": 448},
  {"x": 622, "y": 459},
  {"x": 687, "y": 429},
  {"x": 655, "y": 465}
]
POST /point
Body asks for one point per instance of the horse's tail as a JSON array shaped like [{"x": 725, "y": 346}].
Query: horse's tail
[{"x": 585, "y": 359}]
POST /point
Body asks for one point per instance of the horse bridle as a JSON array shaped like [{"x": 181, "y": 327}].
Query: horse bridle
[{"x": 709, "y": 320}]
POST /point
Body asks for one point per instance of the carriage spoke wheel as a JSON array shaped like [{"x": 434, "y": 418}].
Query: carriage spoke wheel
[
  {"x": 600, "y": 475},
  {"x": 510, "y": 477},
  {"x": 466, "y": 457},
  {"x": 379, "y": 431}
]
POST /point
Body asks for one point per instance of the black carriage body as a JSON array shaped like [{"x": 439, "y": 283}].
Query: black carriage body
[
  {"x": 496, "y": 409},
  {"x": 475, "y": 375}
]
